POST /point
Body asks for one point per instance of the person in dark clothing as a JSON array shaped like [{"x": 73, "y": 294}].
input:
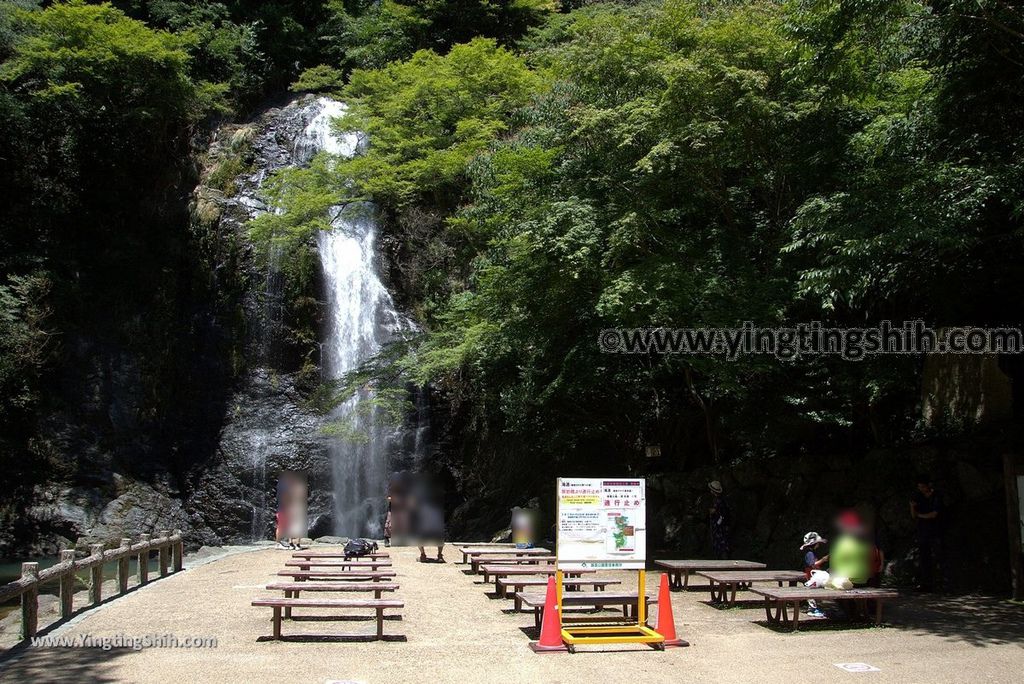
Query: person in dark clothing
[
  {"x": 813, "y": 560},
  {"x": 927, "y": 511},
  {"x": 718, "y": 521},
  {"x": 388, "y": 525}
]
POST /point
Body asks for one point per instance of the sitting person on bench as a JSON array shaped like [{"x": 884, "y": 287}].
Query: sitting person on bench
[
  {"x": 813, "y": 560},
  {"x": 851, "y": 554}
]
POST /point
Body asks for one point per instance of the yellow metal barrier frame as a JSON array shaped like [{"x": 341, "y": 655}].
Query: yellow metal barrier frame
[{"x": 615, "y": 632}]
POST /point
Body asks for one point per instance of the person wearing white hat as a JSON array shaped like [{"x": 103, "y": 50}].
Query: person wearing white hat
[
  {"x": 811, "y": 548},
  {"x": 718, "y": 520}
]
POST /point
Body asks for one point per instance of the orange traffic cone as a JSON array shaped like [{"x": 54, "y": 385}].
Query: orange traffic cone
[
  {"x": 666, "y": 623},
  {"x": 551, "y": 627}
]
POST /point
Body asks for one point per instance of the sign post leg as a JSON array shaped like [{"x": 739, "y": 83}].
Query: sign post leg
[{"x": 641, "y": 597}]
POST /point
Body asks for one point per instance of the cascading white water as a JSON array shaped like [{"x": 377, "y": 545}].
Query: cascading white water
[{"x": 360, "y": 318}]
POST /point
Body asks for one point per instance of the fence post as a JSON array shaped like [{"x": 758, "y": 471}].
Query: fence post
[
  {"x": 67, "y": 584},
  {"x": 165, "y": 552},
  {"x": 143, "y": 569},
  {"x": 123, "y": 566},
  {"x": 96, "y": 572},
  {"x": 177, "y": 551},
  {"x": 30, "y": 601}
]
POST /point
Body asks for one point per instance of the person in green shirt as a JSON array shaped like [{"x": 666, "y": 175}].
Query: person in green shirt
[
  {"x": 850, "y": 556},
  {"x": 851, "y": 551}
]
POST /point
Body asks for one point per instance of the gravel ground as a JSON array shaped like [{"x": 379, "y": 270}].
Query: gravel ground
[{"x": 454, "y": 631}]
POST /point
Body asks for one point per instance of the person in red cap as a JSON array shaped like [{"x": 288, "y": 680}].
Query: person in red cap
[
  {"x": 851, "y": 552},
  {"x": 850, "y": 556}
]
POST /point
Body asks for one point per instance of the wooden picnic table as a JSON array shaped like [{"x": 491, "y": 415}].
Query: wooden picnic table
[
  {"x": 509, "y": 560},
  {"x": 593, "y": 599},
  {"x": 517, "y": 584},
  {"x": 725, "y": 583},
  {"x": 498, "y": 571},
  {"x": 373, "y": 555},
  {"x": 292, "y": 589},
  {"x": 302, "y": 575},
  {"x": 469, "y": 551},
  {"x": 336, "y": 563},
  {"x": 778, "y": 600},
  {"x": 378, "y": 605},
  {"x": 679, "y": 570},
  {"x": 520, "y": 584}
]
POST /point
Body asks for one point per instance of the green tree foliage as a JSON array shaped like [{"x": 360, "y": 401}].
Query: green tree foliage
[
  {"x": 426, "y": 119},
  {"x": 369, "y": 34},
  {"x": 105, "y": 96},
  {"x": 688, "y": 164}
]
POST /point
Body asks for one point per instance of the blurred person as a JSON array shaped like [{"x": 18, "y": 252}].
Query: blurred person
[
  {"x": 388, "y": 523},
  {"x": 292, "y": 508},
  {"x": 281, "y": 515},
  {"x": 851, "y": 551},
  {"x": 719, "y": 520},
  {"x": 927, "y": 511},
  {"x": 428, "y": 525},
  {"x": 850, "y": 556}
]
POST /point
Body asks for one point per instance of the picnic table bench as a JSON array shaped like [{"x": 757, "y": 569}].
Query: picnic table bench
[
  {"x": 339, "y": 554},
  {"x": 725, "y": 583},
  {"x": 292, "y": 589},
  {"x": 517, "y": 584},
  {"x": 509, "y": 560},
  {"x": 679, "y": 570},
  {"x": 302, "y": 575},
  {"x": 777, "y": 600},
  {"x": 329, "y": 563},
  {"x": 278, "y": 604},
  {"x": 469, "y": 551},
  {"x": 591, "y": 599},
  {"x": 508, "y": 570}
]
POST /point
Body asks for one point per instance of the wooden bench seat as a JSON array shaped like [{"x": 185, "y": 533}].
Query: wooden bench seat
[
  {"x": 278, "y": 604},
  {"x": 778, "y": 600},
  {"x": 374, "y": 576},
  {"x": 591, "y": 599},
  {"x": 510, "y": 560},
  {"x": 725, "y": 583},
  {"x": 292, "y": 589},
  {"x": 497, "y": 571},
  {"x": 474, "y": 552},
  {"x": 340, "y": 563},
  {"x": 517, "y": 584},
  {"x": 679, "y": 570}
]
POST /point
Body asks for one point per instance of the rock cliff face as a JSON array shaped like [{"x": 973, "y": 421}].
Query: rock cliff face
[
  {"x": 267, "y": 424},
  {"x": 266, "y": 430},
  {"x": 171, "y": 412}
]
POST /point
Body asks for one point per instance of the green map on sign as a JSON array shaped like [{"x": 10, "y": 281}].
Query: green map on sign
[{"x": 621, "y": 523}]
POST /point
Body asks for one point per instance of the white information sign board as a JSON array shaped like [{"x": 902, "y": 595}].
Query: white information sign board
[{"x": 601, "y": 523}]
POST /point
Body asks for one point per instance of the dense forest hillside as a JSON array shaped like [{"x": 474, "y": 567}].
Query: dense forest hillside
[{"x": 543, "y": 171}]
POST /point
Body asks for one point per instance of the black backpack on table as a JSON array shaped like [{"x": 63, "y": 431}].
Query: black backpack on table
[{"x": 357, "y": 548}]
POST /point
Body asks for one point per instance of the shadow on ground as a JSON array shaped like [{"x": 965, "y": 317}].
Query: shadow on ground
[
  {"x": 977, "y": 620},
  {"x": 334, "y": 638},
  {"x": 62, "y": 665}
]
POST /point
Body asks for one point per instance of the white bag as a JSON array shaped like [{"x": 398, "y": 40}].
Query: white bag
[{"x": 819, "y": 578}]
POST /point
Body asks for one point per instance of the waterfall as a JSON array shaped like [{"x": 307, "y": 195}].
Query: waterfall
[
  {"x": 347, "y": 477},
  {"x": 360, "y": 318}
]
